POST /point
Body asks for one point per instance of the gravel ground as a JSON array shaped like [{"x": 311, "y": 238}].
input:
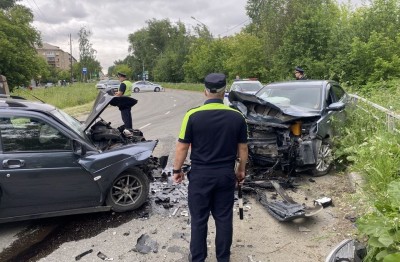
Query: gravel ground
[{"x": 259, "y": 237}]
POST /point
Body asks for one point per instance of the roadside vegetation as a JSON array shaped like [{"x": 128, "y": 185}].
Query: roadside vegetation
[
  {"x": 75, "y": 99},
  {"x": 368, "y": 148}
]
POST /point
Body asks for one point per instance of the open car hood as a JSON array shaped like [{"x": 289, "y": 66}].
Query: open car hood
[
  {"x": 103, "y": 99},
  {"x": 282, "y": 112}
]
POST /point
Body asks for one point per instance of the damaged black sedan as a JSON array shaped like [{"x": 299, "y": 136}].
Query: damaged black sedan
[
  {"x": 53, "y": 164},
  {"x": 291, "y": 125}
]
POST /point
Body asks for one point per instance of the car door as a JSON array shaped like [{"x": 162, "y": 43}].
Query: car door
[
  {"x": 38, "y": 170},
  {"x": 140, "y": 85},
  {"x": 149, "y": 86},
  {"x": 330, "y": 119}
]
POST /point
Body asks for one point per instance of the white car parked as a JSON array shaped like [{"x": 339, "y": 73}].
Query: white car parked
[
  {"x": 141, "y": 86},
  {"x": 108, "y": 84},
  {"x": 248, "y": 86}
]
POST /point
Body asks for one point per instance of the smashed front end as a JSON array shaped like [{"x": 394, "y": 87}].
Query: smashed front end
[
  {"x": 281, "y": 137},
  {"x": 126, "y": 147}
]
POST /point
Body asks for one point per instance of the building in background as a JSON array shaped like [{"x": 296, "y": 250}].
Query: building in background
[{"x": 55, "y": 56}]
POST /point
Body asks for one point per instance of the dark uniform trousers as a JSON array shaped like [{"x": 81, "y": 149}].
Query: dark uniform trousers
[
  {"x": 126, "y": 116},
  {"x": 211, "y": 190}
]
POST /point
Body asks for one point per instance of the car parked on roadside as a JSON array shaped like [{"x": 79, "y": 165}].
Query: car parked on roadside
[
  {"x": 248, "y": 86},
  {"x": 108, "y": 85},
  {"x": 101, "y": 84},
  {"x": 53, "y": 164},
  {"x": 291, "y": 125},
  {"x": 141, "y": 86}
]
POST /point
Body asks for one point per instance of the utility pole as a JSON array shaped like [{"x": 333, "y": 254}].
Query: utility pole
[
  {"x": 143, "y": 78},
  {"x": 70, "y": 55}
]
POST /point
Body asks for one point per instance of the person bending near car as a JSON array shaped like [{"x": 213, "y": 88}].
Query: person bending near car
[
  {"x": 217, "y": 135},
  {"x": 124, "y": 89}
]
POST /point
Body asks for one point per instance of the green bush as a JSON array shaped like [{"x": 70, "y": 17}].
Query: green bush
[{"x": 366, "y": 144}]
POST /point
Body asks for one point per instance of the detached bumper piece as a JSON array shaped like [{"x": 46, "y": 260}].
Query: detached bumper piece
[{"x": 287, "y": 209}]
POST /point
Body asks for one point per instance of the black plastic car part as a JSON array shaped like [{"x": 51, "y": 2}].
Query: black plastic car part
[{"x": 287, "y": 209}]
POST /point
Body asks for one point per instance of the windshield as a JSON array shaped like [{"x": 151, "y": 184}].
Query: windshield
[
  {"x": 246, "y": 87},
  {"x": 68, "y": 120},
  {"x": 307, "y": 97}
]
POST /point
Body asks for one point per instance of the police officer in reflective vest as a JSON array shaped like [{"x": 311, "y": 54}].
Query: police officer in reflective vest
[
  {"x": 125, "y": 89},
  {"x": 217, "y": 135}
]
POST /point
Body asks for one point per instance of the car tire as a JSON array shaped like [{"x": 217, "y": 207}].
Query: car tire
[
  {"x": 324, "y": 159},
  {"x": 129, "y": 191},
  {"x": 157, "y": 89},
  {"x": 136, "y": 90}
]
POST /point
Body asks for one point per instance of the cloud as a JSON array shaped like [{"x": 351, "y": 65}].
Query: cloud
[{"x": 112, "y": 21}]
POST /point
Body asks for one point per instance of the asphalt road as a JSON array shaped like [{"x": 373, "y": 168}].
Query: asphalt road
[{"x": 157, "y": 115}]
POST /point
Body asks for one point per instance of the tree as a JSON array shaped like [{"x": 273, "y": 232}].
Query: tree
[
  {"x": 156, "y": 45},
  {"x": 87, "y": 55},
  {"x": 246, "y": 57},
  {"x": 5, "y": 4},
  {"x": 19, "y": 61},
  {"x": 122, "y": 68},
  {"x": 205, "y": 57}
]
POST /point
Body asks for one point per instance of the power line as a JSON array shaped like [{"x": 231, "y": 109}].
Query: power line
[
  {"x": 39, "y": 9},
  {"x": 230, "y": 29},
  {"x": 40, "y": 13}
]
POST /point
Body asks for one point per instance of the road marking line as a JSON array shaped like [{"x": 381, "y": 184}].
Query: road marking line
[
  {"x": 144, "y": 126},
  {"x": 168, "y": 112}
]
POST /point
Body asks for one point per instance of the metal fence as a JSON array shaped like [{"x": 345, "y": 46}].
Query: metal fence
[{"x": 381, "y": 114}]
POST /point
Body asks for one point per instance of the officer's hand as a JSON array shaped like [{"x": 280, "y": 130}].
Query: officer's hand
[
  {"x": 240, "y": 175},
  {"x": 178, "y": 178}
]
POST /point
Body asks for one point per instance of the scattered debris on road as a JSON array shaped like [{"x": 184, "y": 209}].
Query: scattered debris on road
[
  {"x": 78, "y": 257},
  {"x": 146, "y": 245}
]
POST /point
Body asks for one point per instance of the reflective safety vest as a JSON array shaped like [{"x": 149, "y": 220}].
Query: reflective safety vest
[{"x": 128, "y": 90}]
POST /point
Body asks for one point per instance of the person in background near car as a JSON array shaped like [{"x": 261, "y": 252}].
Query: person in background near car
[
  {"x": 299, "y": 73},
  {"x": 124, "y": 89},
  {"x": 217, "y": 135}
]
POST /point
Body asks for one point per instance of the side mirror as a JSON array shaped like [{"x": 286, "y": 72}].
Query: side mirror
[
  {"x": 78, "y": 148},
  {"x": 338, "y": 106}
]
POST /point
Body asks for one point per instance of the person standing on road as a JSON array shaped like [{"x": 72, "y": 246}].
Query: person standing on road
[
  {"x": 217, "y": 136},
  {"x": 125, "y": 89},
  {"x": 299, "y": 73}
]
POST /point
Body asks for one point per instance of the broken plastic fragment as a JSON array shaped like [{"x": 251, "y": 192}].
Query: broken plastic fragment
[
  {"x": 324, "y": 202},
  {"x": 104, "y": 257},
  {"x": 145, "y": 245},
  {"x": 78, "y": 257}
]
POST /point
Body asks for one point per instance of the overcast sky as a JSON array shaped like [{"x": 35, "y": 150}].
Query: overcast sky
[{"x": 111, "y": 21}]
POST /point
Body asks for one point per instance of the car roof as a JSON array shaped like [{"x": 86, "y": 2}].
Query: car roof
[
  {"x": 22, "y": 104},
  {"x": 245, "y": 81},
  {"x": 301, "y": 83}
]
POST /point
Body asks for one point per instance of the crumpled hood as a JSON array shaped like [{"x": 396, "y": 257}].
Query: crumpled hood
[
  {"x": 115, "y": 160},
  {"x": 279, "y": 111},
  {"x": 103, "y": 99}
]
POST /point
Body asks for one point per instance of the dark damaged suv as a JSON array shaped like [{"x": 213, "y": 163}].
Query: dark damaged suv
[
  {"x": 291, "y": 124},
  {"x": 52, "y": 164}
]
